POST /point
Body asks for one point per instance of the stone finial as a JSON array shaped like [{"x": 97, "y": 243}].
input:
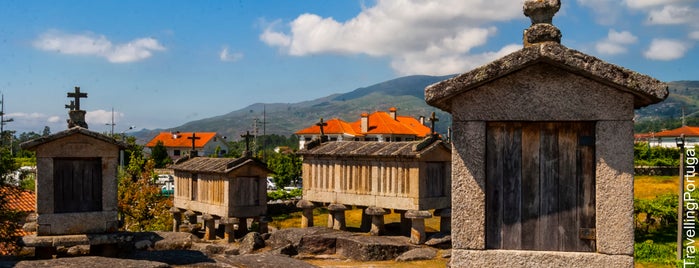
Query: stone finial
[{"x": 541, "y": 13}]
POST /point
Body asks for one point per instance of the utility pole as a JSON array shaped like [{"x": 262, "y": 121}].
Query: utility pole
[
  {"x": 3, "y": 121},
  {"x": 112, "y": 124}
]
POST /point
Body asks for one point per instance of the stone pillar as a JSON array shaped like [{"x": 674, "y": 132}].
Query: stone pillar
[
  {"x": 191, "y": 219},
  {"x": 176, "y": 218},
  {"x": 444, "y": 220},
  {"x": 307, "y": 216},
  {"x": 242, "y": 227},
  {"x": 209, "y": 225},
  {"x": 405, "y": 223},
  {"x": 377, "y": 220},
  {"x": 366, "y": 220},
  {"x": 263, "y": 224},
  {"x": 229, "y": 228},
  {"x": 337, "y": 216},
  {"x": 417, "y": 232}
]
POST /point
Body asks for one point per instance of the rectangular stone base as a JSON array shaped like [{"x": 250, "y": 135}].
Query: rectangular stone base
[
  {"x": 77, "y": 223},
  {"x": 522, "y": 258}
]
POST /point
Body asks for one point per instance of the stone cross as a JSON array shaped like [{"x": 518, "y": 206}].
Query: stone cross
[
  {"x": 432, "y": 120},
  {"x": 71, "y": 106},
  {"x": 194, "y": 138},
  {"x": 321, "y": 124},
  {"x": 247, "y": 137},
  {"x": 75, "y": 105}
]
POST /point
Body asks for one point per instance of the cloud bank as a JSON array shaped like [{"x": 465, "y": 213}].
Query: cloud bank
[
  {"x": 97, "y": 45},
  {"x": 419, "y": 37}
]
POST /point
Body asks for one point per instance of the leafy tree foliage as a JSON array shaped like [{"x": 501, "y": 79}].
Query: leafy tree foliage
[
  {"x": 160, "y": 156},
  {"x": 141, "y": 206},
  {"x": 286, "y": 168},
  {"x": 8, "y": 218},
  {"x": 644, "y": 155}
]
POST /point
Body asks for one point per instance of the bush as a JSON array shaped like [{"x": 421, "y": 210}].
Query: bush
[
  {"x": 650, "y": 252},
  {"x": 283, "y": 194},
  {"x": 655, "y": 214}
]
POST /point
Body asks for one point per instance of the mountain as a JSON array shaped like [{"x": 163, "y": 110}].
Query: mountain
[
  {"x": 405, "y": 93},
  {"x": 683, "y": 99}
]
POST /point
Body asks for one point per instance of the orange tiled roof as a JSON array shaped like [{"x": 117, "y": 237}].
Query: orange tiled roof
[
  {"x": 180, "y": 140},
  {"x": 686, "y": 130},
  {"x": 334, "y": 126},
  {"x": 20, "y": 200},
  {"x": 379, "y": 123}
]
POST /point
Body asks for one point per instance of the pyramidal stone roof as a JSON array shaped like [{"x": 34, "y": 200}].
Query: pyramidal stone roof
[
  {"x": 542, "y": 45},
  {"x": 31, "y": 144},
  {"x": 408, "y": 149}
]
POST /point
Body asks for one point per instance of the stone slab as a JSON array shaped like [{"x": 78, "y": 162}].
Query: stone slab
[{"x": 518, "y": 258}]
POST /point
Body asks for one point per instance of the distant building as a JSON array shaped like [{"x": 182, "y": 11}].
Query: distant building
[
  {"x": 179, "y": 144},
  {"x": 666, "y": 138},
  {"x": 378, "y": 126}
]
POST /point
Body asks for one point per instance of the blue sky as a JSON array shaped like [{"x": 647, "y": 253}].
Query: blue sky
[{"x": 160, "y": 64}]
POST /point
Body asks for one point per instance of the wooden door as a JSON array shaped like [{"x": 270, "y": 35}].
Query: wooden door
[
  {"x": 540, "y": 186},
  {"x": 77, "y": 185}
]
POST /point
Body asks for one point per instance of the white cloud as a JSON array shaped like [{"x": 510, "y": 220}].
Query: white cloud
[
  {"x": 616, "y": 42},
  {"x": 694, "y": 35},
  {"x": 640, "y": 4},
  {"x": 102, "y": 117},
  {"x": 607, "y": 12},
  {"x": 666, "y": 49},
  {"x": 26, "y": 122},
  {"x": 415, "y": 35},
  {"x": 97, "y": 45},
  {"x": 226, "y": 56},
  {"x": 672, "y": 14},
  {"x": 53, "y": 119}
]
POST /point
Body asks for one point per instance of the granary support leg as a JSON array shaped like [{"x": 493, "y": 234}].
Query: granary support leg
[
  {"x": 191, "y": 219},
  {"x": 405, "y": 223},
  {"x": 444, "y": 220},
  {"x": 176, "y": 218},
  {"x": 229, "y": 228},
  {"x": 338, "y": 216},
  {"x": 210, "y": 227},
  {"x": 366, "y": 220},
  {"x": 242, "y": 227},
  {"x": 307, "y": 216},
  {"x": 263, "y": 224},
  {"x": 417, "y": 232},
  {"x": 377, "y": 220}
]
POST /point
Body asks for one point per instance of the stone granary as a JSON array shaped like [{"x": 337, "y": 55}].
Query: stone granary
[
  {"x": 542, "y": 163},
  {"x": 408, "y": 177},
  {"x": 76, "y": 183},
  {"x": 229, "y": 190}
]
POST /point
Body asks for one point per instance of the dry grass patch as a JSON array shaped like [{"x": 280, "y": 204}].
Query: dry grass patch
[{"x": 649, "y": 187}]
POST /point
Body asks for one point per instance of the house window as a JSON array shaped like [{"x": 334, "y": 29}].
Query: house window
[
  {"x": 398, "y": 139},
  {"x": 176, "y": 153},
  {"x": 540, "y": 186},
  {"x": 77, "y": 185}
]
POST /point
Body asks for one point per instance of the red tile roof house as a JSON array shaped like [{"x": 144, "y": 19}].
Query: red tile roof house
[
  {"x": 378, "y": 126},
  {"x": 666, "y": 138},
  {"x": 22, "y": 201},
  {"x": 179, "y": 144}
]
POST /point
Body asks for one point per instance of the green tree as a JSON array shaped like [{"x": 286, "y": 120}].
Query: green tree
[
  {"x": 46, "y": 131},
  {"x": 9, "y": 218},
  {"x": 141, "y": 206},
  {"x": 286, "y": 168},
  {"x": 160, "y": 156}
]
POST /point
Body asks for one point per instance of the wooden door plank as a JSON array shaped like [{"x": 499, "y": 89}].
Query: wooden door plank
[
  {"x": 548, "y": 237},
  {"x": 586, "y": 176},
  {"x": 567, "y": 201},
  {"x": 494, "y": 167},
  {"x": 530, "y": 185},
  {"x": 512, "y": 186}
]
